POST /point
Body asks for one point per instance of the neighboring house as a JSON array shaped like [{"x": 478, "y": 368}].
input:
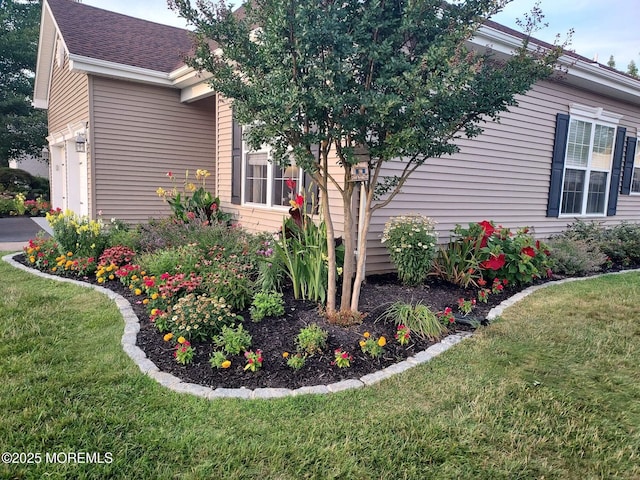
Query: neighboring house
[
  {"x": 569, "y": 150},
  {"x": 35, "y": 166}
]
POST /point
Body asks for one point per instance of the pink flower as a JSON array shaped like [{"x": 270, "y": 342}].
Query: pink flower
[{"x": 170, "y": 174}]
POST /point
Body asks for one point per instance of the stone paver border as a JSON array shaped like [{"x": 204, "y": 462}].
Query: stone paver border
[{"x": 132, "y": 326}]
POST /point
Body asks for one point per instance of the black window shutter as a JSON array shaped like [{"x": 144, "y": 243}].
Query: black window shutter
[
  {"x": 557, "y": 164},
  {"x": 236, "y": 161},
  {"x": 627, "y": 174},
  {"x": 615, "y": 172}
]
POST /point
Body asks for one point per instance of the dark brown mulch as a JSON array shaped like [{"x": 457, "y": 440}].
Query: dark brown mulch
[{"x": 277, "y": 335}]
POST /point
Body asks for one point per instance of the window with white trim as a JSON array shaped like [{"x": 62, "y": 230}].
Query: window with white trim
[
  {"x": 635, "y": 180},
  {"x": 588, "y": 162},
  {"x": 264, "y": 182}
]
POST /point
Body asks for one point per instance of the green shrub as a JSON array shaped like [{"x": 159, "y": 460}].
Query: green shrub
[
  {"x": 171, "y": 260},
  {"x": 200, "y": 316},
  {"x": 590, "y": 232},
  {"x": 219, "y": 360},
  {"x": 312, "y": 339},
  {"x": 233, "y": 340},
  {"x": 411, "y": 242},
  {"x": 231, "y": 282},
  {"x": 622, "y": 244},
  {"x": 419, "y": 319},
  {"x": 296, "y": 361},
  {"x": 571, "y": 256},
  {"x": 266, "y": 304},
  {"x": 7, "y": 206}
]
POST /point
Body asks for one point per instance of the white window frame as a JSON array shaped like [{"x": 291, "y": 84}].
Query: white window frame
[
  {"x": 594, "y": 116},
  {"x": 271, "y": 167},
  {"x": 636, "y": 167}
]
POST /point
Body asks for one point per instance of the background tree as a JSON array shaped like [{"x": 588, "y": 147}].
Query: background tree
[
  {"x": 372, "y": 80},
  {"x": 22, "y": 128},
  {"x": 632, "y": 69},
  {"x": 611, "y": 62}
]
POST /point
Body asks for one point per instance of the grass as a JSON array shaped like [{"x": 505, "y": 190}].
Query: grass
[{"x": 549, "y": 391}]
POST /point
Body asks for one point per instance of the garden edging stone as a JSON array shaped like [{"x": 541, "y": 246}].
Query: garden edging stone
[{"x": 147, "y": 367}]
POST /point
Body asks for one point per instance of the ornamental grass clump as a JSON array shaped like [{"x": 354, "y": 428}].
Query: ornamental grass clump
[
  {"x": 200, "y": 316},
  {"x": 411, "y": 242},
  {"x": 419, "y": 319}
]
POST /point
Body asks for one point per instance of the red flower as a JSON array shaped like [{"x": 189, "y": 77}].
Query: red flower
[
  {"x": 149, "y": 282},
  {"x": 299, "y": 200},
  {"x": 528, "y": 251},
  {"x": 487, "y": 227},
  {"x": 170, "y": 174},
  {"x": 291, "y": 183},
  {"x": 494, "y": 263},
  {"x": 165, "y": 276},
  {"x": 482, "y": 282}
]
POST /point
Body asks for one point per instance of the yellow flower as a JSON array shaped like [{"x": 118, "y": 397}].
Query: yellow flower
[
  {"x": 101, "y": 280},
  {"x": 168, "y": 337},
  {"x": 226, "y": 364},
  {"x": 161, "y": 192},
  {"x": 366, "y": 334},
  {"x": 134, "y": 278},
  {"x": 112, "y": 276},
  {"x": 145, "y": 301},
  {"x": 362, "y": 343},
  {"x": 154, "y": 296},
  {"x": 181, "y": 340},
  {"x": 143, "y": 273},
  {"x": 154, "y": 311},
  {"x": 137, "y": 291},
  {"x": 191, "y": 187},
  {"x": 32, "y": 259},
  {"x": 54, "y": 269},
  {"x": 285, "y": 354},
  {"x": 382, "y": 341},
  {"x": 69, "y": 254}
]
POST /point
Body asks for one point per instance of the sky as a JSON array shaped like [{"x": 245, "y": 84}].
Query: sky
[{"x": 602, "y": 27}]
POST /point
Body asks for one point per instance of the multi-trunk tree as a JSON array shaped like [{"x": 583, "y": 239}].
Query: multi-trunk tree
[
  {"x": 22, "y": 128},
  {"x": 354, "y": 80}
]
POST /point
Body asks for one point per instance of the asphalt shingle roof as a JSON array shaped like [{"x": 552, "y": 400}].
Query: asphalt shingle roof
[{"x": 96, "y": 33}]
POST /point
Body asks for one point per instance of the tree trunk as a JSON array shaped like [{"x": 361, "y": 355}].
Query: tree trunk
[
  {"x": 348, "y": 269},
  {"x": 331, "y": 240},
  {"x": 362, "y": 249}
]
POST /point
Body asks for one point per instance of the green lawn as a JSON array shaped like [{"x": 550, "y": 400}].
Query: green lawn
[{"x": 552, "y": 390}]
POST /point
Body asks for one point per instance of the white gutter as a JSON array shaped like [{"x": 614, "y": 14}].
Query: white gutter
[{"x": 78, "y": 63}]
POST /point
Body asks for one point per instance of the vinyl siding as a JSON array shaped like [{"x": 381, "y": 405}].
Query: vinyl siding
[
  {"x": 503, "y": 175},
  {"x": 140, "y": 133},
  {"x": 68, "y": 98}
]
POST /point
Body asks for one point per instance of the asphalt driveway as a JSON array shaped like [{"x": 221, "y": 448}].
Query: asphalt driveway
[{"x": 15, "y": 232}]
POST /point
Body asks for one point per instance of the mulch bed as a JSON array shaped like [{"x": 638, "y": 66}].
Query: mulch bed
[{"x": 277, "y": 335}]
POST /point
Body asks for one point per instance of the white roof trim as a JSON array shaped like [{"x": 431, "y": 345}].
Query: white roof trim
[{"x": 78, "y": 63}]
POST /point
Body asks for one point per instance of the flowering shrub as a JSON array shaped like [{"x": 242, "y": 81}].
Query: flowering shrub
[
  {"x": 42, "y": 253},
  {"x": 296, "y": 361},
  {"x": 486, "y": 251},
  {"x": 232, "y": 282},
  {"x": 446, "y": 317},
  {"x": 84, "y": 237},
  {"x": 184, "y": 351},
  {"x": 193, "y": 202},
  {"x": 372, "y": 346},
  {"x": 79, "y": 266},
  {"x": 117, "y": 255},
  {"x": 403, "y": 334},
  {"x": 411, "y": 242},
  {"x": 342, "y": 359},
  {"x": 219, "y": 360},
  {"x": 466, "y": 306},
  {"x": 254, "y": 360},
  {"x": 37, "y": 208},
  {"x": 200, "y": 317}
]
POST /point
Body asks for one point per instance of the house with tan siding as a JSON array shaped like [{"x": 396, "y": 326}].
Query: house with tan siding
[{"x": 568, "y": 150}]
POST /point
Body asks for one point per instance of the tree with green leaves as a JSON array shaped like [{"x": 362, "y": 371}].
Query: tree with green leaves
[
  {"x": 22, "y": 128},
  {"x": 632, "y": 69},
  {"x": 372, "y": 80},
  {"x": 612, "y": 62}
]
